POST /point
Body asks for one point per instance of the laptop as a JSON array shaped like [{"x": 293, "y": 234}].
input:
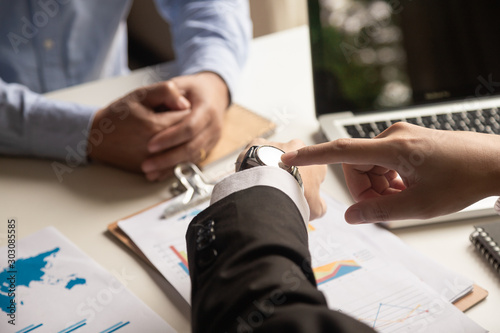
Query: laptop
[{"x": 432, "y": 63}]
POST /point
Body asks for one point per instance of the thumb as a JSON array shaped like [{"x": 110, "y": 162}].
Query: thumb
[{"x": 398, "y": 206}]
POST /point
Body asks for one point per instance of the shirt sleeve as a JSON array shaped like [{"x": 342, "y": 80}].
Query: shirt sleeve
[
  {"x": 209, "y": 35},
  {"x": 32, "y": 125},
  {"x": 263, "y": 176}
]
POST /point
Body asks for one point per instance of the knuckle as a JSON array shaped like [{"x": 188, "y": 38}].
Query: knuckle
[
  {"x": 407, "y": 145},
  {"x": 400, "y": 126},
  {"x": 402, "y": 144},
  {"x": 343, "y": 143},
  {"x": 169, "y": 85}
]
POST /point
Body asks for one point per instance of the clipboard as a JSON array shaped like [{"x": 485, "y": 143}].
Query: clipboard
[{"x": 240, "y": 127}]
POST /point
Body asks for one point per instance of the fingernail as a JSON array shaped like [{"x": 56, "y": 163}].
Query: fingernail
[
  {"x": 290, "y": 155},
  {"x": 354, "y": 216},
  {"x": 184, "y": 103}
]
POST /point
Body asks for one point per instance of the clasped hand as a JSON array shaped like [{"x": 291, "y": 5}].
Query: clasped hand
[{"x": 154, "y": 128}]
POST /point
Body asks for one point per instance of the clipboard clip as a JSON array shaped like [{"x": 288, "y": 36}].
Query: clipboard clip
[{"x": 192, "y": 186}]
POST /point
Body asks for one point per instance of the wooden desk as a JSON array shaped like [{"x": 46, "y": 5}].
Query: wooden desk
[{"x": 277, "y": 83}]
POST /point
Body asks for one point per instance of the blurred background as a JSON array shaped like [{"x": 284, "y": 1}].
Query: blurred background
[{"x": 147, "y": 44}]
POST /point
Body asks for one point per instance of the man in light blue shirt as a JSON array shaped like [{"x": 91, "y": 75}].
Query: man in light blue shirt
[{"x": 51, "y": 44}]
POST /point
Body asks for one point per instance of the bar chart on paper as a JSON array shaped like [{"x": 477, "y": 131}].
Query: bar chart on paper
[
  {"x": 182, "y": 256},
  {"x": 175, "y": 257},
  {"x": 163, "y": 242}
]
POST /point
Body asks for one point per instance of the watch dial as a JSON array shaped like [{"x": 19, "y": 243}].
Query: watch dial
[{"x": 269, "y": 155}]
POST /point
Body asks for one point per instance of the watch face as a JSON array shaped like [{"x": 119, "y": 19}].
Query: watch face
[{"x": 269, "y": 155}]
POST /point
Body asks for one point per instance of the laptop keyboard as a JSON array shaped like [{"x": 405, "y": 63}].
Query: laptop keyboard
[{"x": 484, "y": 121}]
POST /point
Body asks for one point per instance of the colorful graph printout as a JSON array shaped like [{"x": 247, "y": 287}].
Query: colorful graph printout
[
  {"x": 334, "y": 270},
  {"x": 182, "y": 255}
]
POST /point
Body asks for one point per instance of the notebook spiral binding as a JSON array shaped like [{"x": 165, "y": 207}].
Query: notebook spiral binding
[{"x": 488, "y": 248}]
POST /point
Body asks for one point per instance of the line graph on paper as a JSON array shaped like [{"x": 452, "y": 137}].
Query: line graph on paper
[
  {"x": 393, "y": 312},
  {"x": 406, "y": 313}
]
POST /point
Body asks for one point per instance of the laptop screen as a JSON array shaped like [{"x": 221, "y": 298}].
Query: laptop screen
[{"x": 378, "y": 55}]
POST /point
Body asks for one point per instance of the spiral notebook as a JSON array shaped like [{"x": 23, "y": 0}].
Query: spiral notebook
[{"x": 486, "y": 238}]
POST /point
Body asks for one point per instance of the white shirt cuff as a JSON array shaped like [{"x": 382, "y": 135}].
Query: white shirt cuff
[
  {"x": 263, "y": 176},
  {"x": 497, "y": 206}
]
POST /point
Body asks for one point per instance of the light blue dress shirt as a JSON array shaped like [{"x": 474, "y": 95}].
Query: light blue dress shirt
[{"x": 51, "y": 44}]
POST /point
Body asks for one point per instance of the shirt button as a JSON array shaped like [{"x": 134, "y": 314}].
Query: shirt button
[{"x": 48, "y": 44}]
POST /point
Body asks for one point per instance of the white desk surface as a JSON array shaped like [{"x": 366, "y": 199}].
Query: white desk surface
[{"x": 277, "y": 83}]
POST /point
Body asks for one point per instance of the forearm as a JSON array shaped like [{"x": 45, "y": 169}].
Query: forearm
[
  {"x": 211, "y": 36},
  {"x": 31, "y": 125}
]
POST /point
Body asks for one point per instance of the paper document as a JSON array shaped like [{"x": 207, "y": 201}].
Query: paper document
[
  {"x": 363, "y": 270},
  {"x": 163, "y": 241},
  {"x": 368, "y": 273},
  {"x": 55, "y": 287}
]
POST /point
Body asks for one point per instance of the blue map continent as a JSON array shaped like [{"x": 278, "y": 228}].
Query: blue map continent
[
  {"x": 75, "y": 281},
  {"x": 26, "y": 271}
]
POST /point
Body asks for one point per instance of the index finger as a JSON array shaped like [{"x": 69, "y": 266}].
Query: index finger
[
  {"x": 162, "y": 94},
  {"x": 352, "y": 151}
]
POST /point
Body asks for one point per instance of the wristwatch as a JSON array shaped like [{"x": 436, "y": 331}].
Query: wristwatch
[{"x": 268, "y": 156}]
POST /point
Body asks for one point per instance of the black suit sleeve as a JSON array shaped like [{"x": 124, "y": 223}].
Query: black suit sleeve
[{"x": 250, "y": 269}]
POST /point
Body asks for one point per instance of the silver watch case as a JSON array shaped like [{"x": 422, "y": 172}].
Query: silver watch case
[{"x": 267, "y": 155}]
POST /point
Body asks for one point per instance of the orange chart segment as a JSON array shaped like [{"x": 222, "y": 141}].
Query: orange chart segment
[
  {"x": 182, "y": 256},
  {"x": 334, "y": 270}
]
